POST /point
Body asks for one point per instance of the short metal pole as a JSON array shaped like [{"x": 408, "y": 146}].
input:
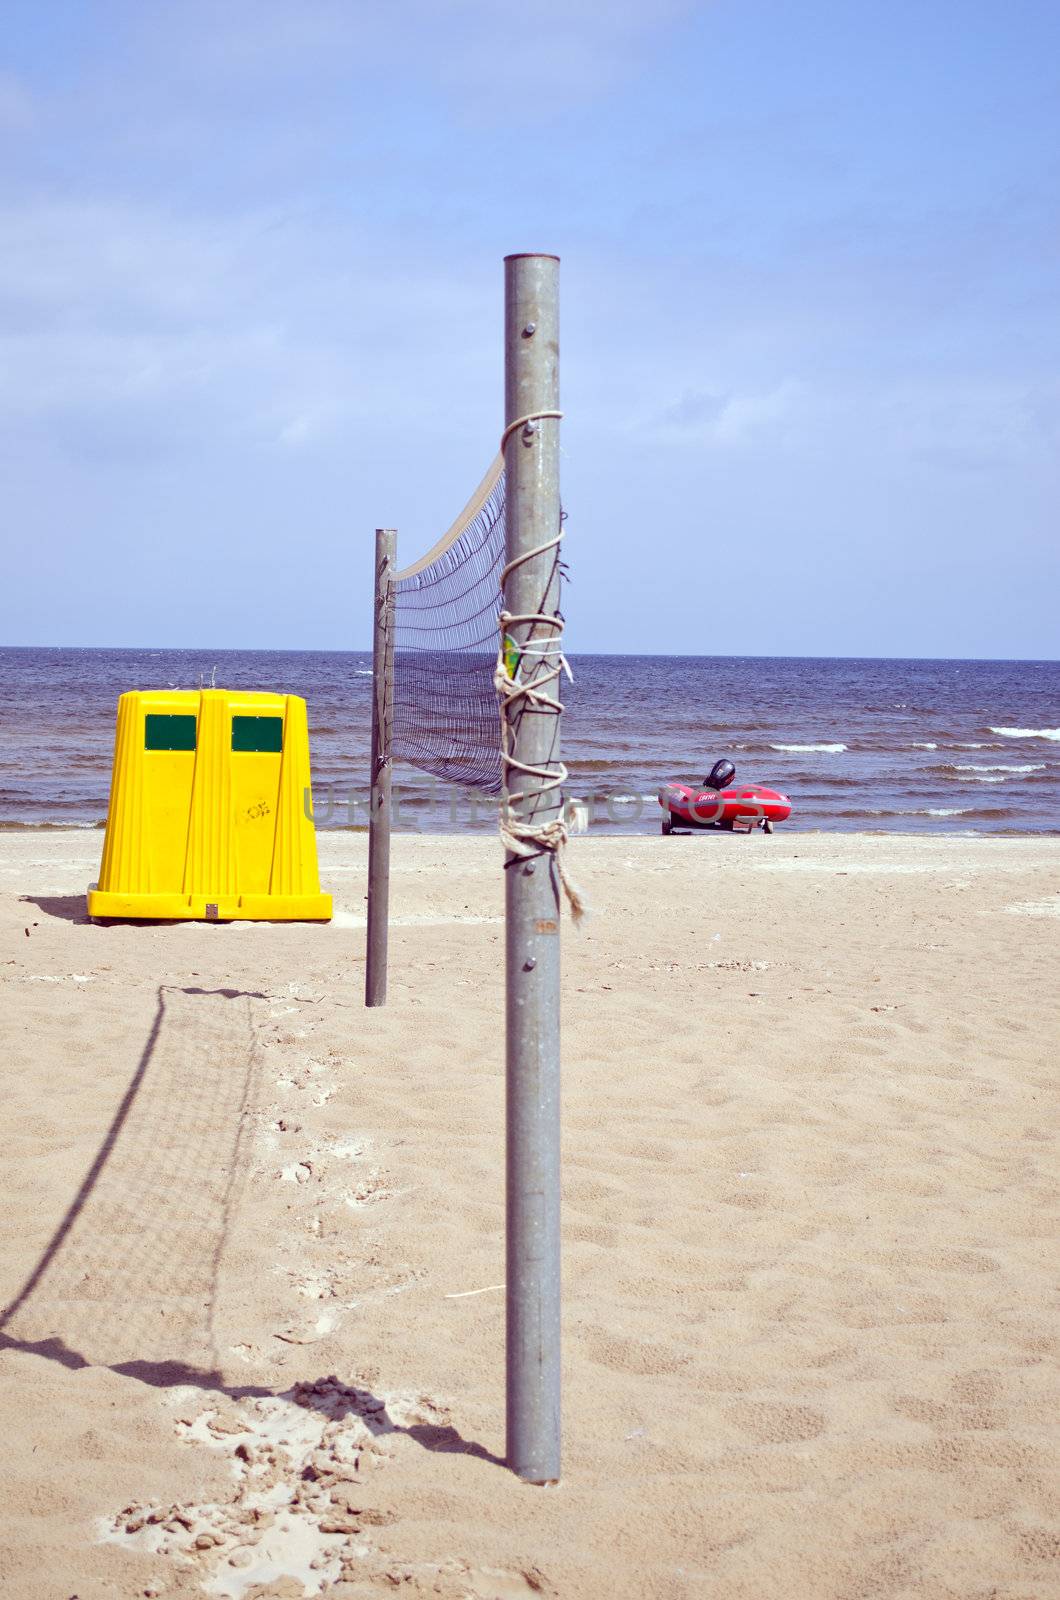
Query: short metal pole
[
  {"x": 379, "y": 799},
  {"x": 532, "y": 958}
]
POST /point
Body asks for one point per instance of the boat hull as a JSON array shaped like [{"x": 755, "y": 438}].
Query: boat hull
[{"x": 716, "y": 808}]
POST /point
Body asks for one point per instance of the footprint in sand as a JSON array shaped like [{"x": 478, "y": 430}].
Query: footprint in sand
[
  {"x": 372, "y": 1188},
  {"x": 942, "y": 1260},
  {"x": 636, "y": 1356},
  {"x": 591, "y": 1233},
  {"x": 491, "y": 1583},
  {"x": 456, "y": 1580},
  {"x": 768, "y": 1422}
]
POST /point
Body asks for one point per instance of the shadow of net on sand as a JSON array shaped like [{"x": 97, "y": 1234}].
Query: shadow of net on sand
[{"x": 130, "y": 1276}]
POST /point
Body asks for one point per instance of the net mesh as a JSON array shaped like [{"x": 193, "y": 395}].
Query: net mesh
[{"x": 445, "y": 714}]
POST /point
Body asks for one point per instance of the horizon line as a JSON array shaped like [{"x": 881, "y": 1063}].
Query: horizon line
[{"x": 608, "y": 655}]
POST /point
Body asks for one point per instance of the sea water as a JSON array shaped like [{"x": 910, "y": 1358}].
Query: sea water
[{"x": 890, "y": 745}]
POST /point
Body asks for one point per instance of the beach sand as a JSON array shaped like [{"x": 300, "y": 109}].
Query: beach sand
[{"x": 252, "y": 1236}]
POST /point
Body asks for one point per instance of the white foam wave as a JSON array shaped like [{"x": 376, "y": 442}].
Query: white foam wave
[
  {"x": 1026, "y": 766},
  {"x": 946, "y": 811},
  {"x": 977, "y": 777},
  {"x": 362, "y": 672},
  {"x": 918, "y": 746},
  {"x": 1029, "y": 733},
  {"x": 828, "y": 749}
]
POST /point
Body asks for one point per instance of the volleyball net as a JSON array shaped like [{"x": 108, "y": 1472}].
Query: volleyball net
[{"x": 445, "y": 612}]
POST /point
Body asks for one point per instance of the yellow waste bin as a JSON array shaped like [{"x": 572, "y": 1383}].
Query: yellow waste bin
[{"x": 210, "y": 810}]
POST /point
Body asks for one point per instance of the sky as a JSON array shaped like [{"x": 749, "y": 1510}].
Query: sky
[{"x": 251, "y": 295}]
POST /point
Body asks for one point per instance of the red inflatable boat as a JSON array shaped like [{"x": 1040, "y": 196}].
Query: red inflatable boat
[{"x": 691, "y": 805}]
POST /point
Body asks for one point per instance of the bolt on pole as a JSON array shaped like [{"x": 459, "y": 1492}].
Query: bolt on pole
[
  {"x": 379, "y": 797},
  {"x": 532, "y": 941}
]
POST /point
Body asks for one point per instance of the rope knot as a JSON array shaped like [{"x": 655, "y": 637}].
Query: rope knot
[{"x": 525, "y": 839}]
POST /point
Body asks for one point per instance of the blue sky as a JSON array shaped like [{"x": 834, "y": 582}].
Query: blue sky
[{"x": 251, "y": 295}]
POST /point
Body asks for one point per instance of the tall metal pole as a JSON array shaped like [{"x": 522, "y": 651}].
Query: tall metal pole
[
  {"x": 379, "y": 800},
  {"x": 532, "y": 956}
]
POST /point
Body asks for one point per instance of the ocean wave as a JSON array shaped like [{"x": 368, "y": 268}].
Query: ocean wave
[
  {"x": 994, "y": 772},
  {"x": 897, "y": 811},
  {"x": 1028, "y": 733},
  {"x": 992, "y": 814},
  {"x": 828, "y": 749},
  {"x": 15, "y": 825},
  {"x": 920, "y": 811},
  {"x": 918, "y": 746},
  {"x": 1026, "y": 766}
]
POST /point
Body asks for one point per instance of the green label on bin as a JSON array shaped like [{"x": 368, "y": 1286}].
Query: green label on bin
[
  {"x": 163, "y": 731},
  {"x": 264, "y": 734}
]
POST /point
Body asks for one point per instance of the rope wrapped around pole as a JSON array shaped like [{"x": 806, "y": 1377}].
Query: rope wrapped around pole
[{"x": 526, "y": 839}]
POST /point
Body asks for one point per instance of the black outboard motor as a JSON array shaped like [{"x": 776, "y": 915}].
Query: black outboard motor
[{"x": 720, "y": 775}]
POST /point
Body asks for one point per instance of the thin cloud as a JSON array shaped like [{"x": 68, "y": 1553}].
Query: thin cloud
[{"x": 730, "y": 419}]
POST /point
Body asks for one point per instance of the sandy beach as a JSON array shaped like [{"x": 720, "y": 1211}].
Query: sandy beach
[{"x": 252, "y": 1242}]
